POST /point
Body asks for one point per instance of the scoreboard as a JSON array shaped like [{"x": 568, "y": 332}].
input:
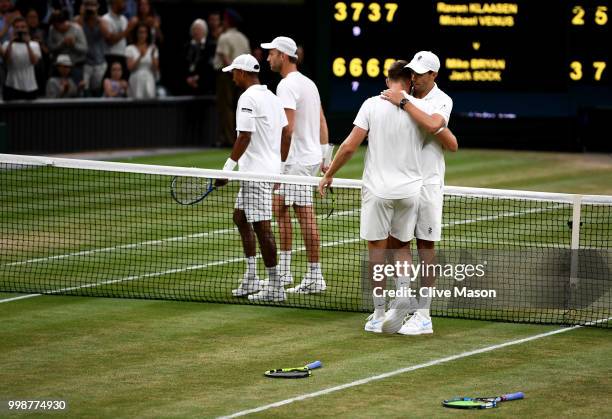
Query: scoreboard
[{"x": 543, "y": 49}]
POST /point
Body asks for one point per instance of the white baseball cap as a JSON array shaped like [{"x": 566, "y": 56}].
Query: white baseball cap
[
  {"x": 244, "y": 62},
  {"x": 63, "y": 59},
  {"x": 284, "y": 44},
  {"x": 424, "y": 61}
]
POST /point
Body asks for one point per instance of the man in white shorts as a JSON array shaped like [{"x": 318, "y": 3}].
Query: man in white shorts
[
  {"x": 433, "y": 119},
  {"x": 391, "y": 185},
  {"x": 259, "y": 122},
  {"x": 303, "y": 151}
]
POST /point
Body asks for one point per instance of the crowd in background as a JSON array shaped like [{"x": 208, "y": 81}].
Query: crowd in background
[
  {"x": 76, "y": 48},
  {"x": 110, "y": 49}
]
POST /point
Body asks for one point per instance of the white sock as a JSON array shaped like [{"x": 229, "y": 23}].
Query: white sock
[
  {"x": 274, "y": 277},
  {"x": 315, "y": 268},
  {"x": 285, "y": 262},
  {"x": 379, "y": 307},
  {"x": 424, "y": 305},
  {"x": 251, "y": 266}
]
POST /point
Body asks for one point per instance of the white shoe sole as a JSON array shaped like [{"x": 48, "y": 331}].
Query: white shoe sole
[
  {"x": 279, "y": 297},
  {"x": 416, "y": 333},
  {"x": 285, "y": 280},
  {"x": 372, "y": 330},
  {"x": 394, "y": 320}
]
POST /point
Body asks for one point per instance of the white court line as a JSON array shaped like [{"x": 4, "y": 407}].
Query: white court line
[
  {"x": 406, "y": 369},
  {"x": 233, "y": 260},
  {"x": 166, "y": 272},
  {"x": 148, "y": 243}
]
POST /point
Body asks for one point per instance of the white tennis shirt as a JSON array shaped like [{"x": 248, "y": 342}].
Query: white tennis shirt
[
  {"x": 298, "y": 92},
  {"x": 395, "y": 142},
  {"x": 260, "y": 112},
  {"x": 434, "y": 166}
]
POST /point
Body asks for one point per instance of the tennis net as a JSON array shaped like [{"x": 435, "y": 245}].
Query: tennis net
[{"x": 78, "y": 227}]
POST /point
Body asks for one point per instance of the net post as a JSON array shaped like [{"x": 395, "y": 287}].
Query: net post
[{"x": 575, "y": 244}]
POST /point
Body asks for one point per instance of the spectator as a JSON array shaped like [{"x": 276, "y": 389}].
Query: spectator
[
  {"x": 143, "y": 63},
  {"x": 200, "y": 74},
  {"x": 66, "y": 37},
  {"x": 95, "y": 62},
  {"x": 215, "y": 28},
  {"x": 115, "y": 86},
  {"x": 131, "y": 9},
  {"x": 62, "y": 5},
  {"x": 115, "y": 29},
  {"x": 39, "y": 34},
  {"x": 7, "y": 15},
  {"x": 147, "y": 15},
  {"x": 21, "y": 55},
  {"x": 62, "y": 86},
  {"x": 41, "y": 7},
  {"x": 231, "y": 44}
]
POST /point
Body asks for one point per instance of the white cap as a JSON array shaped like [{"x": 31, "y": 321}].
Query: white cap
[
  {"x": 63, "y": 59},
  {"x": 424, "y": 61},
  {"x": 244, "y": 62},
  {"x": 283, "y": 44}
]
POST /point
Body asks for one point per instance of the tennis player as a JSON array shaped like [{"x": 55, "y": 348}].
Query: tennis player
[
  {"x": 425, "y": 66},
  {"x": 259, "y": 122},
  {"x": 304, "y": 144},
  {"x": 392, "y": 182}
]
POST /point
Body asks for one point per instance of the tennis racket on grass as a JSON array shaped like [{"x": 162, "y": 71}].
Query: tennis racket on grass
[
  {"x": 190, "y": 190},
  {"x": 480, "y": 402},
  {"x": 300, "y": 372}
]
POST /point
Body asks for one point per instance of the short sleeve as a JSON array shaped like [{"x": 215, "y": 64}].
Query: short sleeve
[
  {"x": 35, "y": 48},
  {"x": 245, "y": 114},
  {"x": 362, "y": 120},
  {"x": 223, "y": 46},
  {"x": 444, "y": 108},
  {"x": 287, "y": 95},
  {"x": 131, "y": 52}
]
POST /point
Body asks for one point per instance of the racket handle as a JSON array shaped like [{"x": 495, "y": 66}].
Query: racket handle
[
  {"x": 513, "y": 396},
  {"x": 313, "y": 365}
]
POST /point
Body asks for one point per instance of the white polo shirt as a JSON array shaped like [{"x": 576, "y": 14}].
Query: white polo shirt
[
  {"x": 298, "y": 92},
  {"x": 393, "y": 158},
  {"x": 260, "y": 112},
  {"x": 116, "y": 24},
  {"x": 20, "y": 75},
  {"x": 433, "y": 154}
]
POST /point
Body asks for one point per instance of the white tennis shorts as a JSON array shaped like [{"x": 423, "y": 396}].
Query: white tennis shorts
[
  {"x": 429, "y": 219},
  {"x": 300, "y": 195},
  {"x": 383, "y": 217},
  {"x": 255, "y": 199}
]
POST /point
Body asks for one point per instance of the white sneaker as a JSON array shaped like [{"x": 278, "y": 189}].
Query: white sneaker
[
  {"x": 249, "y": 285},
  {"x": 286, "y": 279},
  {"x": 310, "y": 285},
  {"x": 394, "y": 317},
  {"x": 373, "y": 325},
  {"x": 418, "y": 324},
  {"x": 269, "y": 294}
]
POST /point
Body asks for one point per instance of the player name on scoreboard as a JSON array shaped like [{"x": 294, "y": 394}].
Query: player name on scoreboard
[
  {"x": 477, "y": 14},
  {"x": 475, "y": 69}
]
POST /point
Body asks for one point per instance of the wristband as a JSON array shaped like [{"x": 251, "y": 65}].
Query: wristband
[
  {"x": 283, "y": 165},
  {"x": 229, "y": 165},
  {"x": 328, "y": 153},
  {"x": 440, "y": 130}
]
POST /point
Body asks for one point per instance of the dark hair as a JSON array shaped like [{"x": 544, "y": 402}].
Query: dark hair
[
  {"x": 18, "y": 19},
  {"x": 59, "y": 16},
  {"x": 149, "y": 34},
  {"x": 292, "y": 60},
  {"x": 398, "y": 72}
]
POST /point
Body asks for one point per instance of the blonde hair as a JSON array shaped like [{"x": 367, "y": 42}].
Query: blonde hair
[{"x": 199, "y": 22}]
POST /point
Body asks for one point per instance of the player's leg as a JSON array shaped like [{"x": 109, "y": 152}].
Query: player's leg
[
  {"x": 250, "y": 281},
  {"x": 282, "y": 213},
  {"x": 259, "y": 213},
  {"x": 428, "y": 230},
  {"x": 375, "y": 225},
  {"x": 402, "y": 233},
  {"x": 313, "y": 281}
]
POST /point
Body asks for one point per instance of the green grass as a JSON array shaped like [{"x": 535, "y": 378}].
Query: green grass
[{"x": 138, "y": 358}]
